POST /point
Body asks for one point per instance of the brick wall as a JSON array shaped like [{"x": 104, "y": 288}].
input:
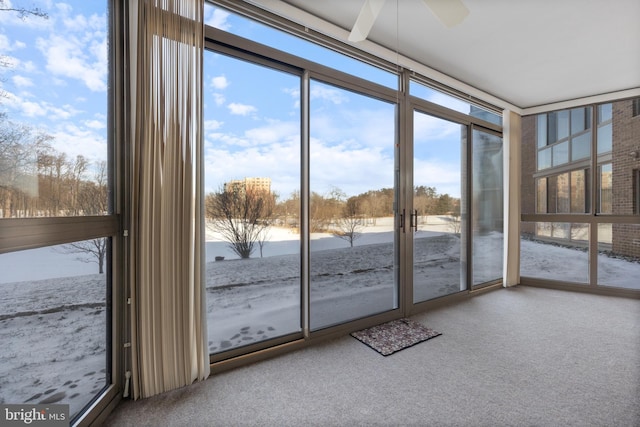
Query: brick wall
[{"x": 626, "y": 138}]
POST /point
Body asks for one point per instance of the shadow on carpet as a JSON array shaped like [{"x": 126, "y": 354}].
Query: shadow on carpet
[{"x": 391, "y": 337}]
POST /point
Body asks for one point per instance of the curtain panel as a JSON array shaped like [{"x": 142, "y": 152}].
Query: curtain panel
[
  {"x": 168, "y": 312},
  {"x": 512, "y": 169}
]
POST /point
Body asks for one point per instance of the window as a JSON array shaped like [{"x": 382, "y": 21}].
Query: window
[
  {"x": 252, "y": 201},
  {"x": 636, "y": 191},
  {"x": 564, "y": 183},
  {"x": 55, "y": 162},
  {"x": 605, "y": 190},
  {"x": 53, "y": 154},
  {"x": 605, "y": 128},
  {"x": 438, "y": 97},
  {"x": 635, "y": 107},
  {"x": 254, "y": 30},
  {"x": 563, "y": 137},
  {"x": 564, "y": 193}
]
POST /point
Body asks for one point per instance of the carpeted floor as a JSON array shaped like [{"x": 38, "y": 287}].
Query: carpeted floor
[{"x": 512, "y": 357}]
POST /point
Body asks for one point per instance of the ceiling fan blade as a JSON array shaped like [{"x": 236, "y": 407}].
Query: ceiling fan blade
[
  {"x": 368, "y": 14},
  {"x": 449, "y": 12}
]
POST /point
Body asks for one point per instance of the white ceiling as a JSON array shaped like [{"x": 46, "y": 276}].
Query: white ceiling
[{"x": 526, "y": 52}]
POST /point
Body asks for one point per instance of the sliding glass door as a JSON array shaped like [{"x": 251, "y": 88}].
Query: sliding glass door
[
  {"x": 351, "y": 212},
  {"x": 486, "y": 207},
  {"x": 436, "y": 219},
  {"x": 252, "y": 202},
  {"x": 330, "y": 199}
]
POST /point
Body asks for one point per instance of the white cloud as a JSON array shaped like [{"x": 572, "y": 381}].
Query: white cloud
[
  {"x": 21, "y": 81},
  {"x": 241, "y": 109},
  {"x": 295, "y": 94},
  {"x": 210, "y": 125},
  {"x": 272, "y": 133},
  {"x": 366, "y": 127},
  {"x": 64, "y": 8},
  {"x": 28, "y": 66},
  {"x": 67, "y": 56},
  {"x": 9, "y": 62},
  {"x": 5, "y": 44},
  {"x": 279, "y": 161},
  {"x": 352, "y": 169},
  {"x": 445, "y": 177},
  {"x": 220, "y": 82},
  {"x": 335, "y": 96},
  {"x": 219, "y": 99},
  {"x": 78, "y": 22},
  {"x": 429, "y": 128},
  {"x": 62, "y": 113},
  {"x": 42, "y": 108},
  {"x": 217, "y": 18},
  {"x": 273, "y": 150},
  {"x": 74, "y": 140},
  {"x": 95, "y": 124},
  {"x": 32, "y": 109}
]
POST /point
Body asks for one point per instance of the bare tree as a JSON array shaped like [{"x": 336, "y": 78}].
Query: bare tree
[
  {"x": 93, "y": 195},
  {"x": 20, "y": 148},
  {"x": 241, "y": 216},
  {"x": 263, "y": 237},
  {"x": 23, "y": 12},
  {"x": 351, "y": 222},
  {"x": 455, "y": 223},
  {"x": 89, "y": 251},
  {"x": 77, "y": 170}
]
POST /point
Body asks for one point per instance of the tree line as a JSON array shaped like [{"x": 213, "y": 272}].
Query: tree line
[
  {"x": 244, "y": 216},
  {"x": 38, "y": 181}
]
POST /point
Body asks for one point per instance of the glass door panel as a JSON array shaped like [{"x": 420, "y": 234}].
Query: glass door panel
[
  {"x": 351, "y": 212},
  {"x": 487, "y": 207},
  {"x": 252, "y": 202},
  {"x": 437, "y": 220}
]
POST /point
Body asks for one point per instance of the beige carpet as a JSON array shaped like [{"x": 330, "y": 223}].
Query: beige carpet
[{"x": 517, "y": 357}]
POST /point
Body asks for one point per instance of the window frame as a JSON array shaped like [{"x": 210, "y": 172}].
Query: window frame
[{"x": 18, "y": 234}]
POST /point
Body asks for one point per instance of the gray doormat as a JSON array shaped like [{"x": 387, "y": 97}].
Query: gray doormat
[{"x": 394, "y": 336}]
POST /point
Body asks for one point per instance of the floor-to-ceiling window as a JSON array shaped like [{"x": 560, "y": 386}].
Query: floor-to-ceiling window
[
  {"x": 353, "y": 270},
  {"x": 332, "y": 198},
  {"x": 252, "y": 201},
  {"x": 579, "y": 194},
  {"x": 486, "y": 207},
  {"x": 57, "y": 219},
  {"x": 436, "y": 222}
]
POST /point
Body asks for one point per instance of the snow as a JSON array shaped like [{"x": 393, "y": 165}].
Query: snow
[{"x": 53, "y": 311}]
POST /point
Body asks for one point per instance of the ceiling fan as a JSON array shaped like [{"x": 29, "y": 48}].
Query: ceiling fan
[{"x": 449, "y": 12}]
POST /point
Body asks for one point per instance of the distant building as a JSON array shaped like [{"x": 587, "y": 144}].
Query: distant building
[{"x": 249, "y": 184}]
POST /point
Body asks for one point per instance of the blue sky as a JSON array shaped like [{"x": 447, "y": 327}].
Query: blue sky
[
  {"x": 57, "y": 82},
  {"x": 252, "y": 120}
]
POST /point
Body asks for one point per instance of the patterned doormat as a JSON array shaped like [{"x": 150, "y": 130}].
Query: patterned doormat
[{"x": 394, "y": 336}]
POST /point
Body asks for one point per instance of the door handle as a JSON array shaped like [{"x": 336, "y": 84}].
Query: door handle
[
  {"x": 413, "y": 223},
  {"x": 402, "y": 220}
]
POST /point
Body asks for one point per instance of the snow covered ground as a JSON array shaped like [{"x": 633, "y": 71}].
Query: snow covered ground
[{"x": 53, "y": 318}]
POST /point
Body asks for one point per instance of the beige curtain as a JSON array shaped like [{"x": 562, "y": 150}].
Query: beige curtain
[
  {"x": 512, "y": 170},
  {"x": 168, "y": 315}
]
